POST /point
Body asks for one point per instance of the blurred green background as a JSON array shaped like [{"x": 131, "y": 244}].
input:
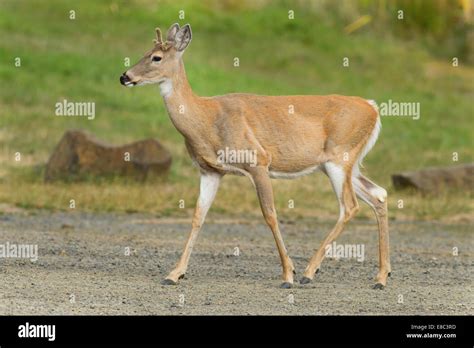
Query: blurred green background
[{"x": 407, "y": 59}]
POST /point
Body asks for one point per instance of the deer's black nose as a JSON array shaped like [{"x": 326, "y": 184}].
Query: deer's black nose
[{"x": 124, "y": 79}]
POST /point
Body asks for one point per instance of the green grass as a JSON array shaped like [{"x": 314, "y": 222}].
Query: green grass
[{"x": 82, "y": 59}]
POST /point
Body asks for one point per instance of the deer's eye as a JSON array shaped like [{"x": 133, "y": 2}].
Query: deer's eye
[{"x": 155, "y": 59}]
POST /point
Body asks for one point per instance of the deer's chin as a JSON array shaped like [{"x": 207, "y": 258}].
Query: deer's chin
[
  {"x": 129, "y": 84},
  {"x": 144, "y": 82},
  {"x": 139, "y": 83}
]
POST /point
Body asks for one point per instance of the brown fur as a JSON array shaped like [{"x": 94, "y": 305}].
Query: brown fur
[{"x": 323, "y": 129}]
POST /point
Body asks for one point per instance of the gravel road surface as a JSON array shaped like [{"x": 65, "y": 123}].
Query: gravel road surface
[{"x": 113, "y": 264}]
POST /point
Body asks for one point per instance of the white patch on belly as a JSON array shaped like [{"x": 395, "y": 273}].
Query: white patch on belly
[
  {"x": 293, "y": 175},
  {"x": 166, "y": 88}
]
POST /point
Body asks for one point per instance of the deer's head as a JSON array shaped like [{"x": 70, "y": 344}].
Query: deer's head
[{"x": 162, "y": 62}]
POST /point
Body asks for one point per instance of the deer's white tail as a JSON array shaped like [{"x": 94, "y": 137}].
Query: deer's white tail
[{"x": 373, "y": 136}]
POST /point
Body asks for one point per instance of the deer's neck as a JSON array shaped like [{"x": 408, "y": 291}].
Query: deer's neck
[{"x": 182, "y": 104}]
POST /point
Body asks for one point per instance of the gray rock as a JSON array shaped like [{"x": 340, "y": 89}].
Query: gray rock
[
  {"x": 434, "y": 180},
  {"x": 79, "y": 154}
]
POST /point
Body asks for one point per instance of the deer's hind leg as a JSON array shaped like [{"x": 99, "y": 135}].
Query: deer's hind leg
[
  {"x": 376, "y": 197},
  {"x": 340, "y": 177}
]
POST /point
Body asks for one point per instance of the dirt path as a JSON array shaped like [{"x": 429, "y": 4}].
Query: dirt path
[{"x": 82, "y": 268}]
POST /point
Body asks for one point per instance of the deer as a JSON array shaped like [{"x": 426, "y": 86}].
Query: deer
[{"x": 331, "y": 133}]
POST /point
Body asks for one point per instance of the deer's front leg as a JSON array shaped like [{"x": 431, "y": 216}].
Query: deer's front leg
[
  {"x": 208, "y": 189},
  {"x": 265, "y": 195}
]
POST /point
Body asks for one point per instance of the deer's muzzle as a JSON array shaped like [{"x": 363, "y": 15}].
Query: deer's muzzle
[{"x": 125, "y": 80}]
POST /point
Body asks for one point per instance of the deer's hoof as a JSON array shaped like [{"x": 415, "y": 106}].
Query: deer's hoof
[
  {"x": 378, "y": 286},
  {"x": 286, "y": 285},
  {"x": 305, "y": 280},
  {"x": 168, "y": 282}
]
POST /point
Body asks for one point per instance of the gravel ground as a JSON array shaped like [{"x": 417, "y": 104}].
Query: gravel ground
[{"x": 82, "y": 268}]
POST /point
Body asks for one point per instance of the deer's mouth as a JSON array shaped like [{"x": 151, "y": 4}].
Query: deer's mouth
[{"x": 125, "y": 80}]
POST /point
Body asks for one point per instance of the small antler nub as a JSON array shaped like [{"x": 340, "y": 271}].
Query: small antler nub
[{"x": 159, "y": 39}]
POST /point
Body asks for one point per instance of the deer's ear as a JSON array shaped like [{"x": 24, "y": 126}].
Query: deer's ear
[
  {"x": 172, "y": 32},
  {"x": 183, "y": 38}
]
